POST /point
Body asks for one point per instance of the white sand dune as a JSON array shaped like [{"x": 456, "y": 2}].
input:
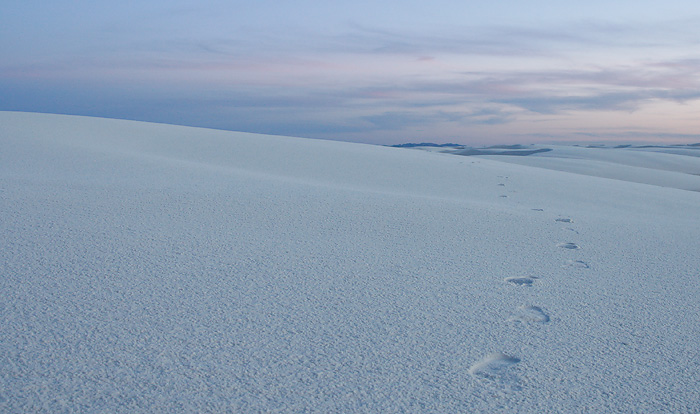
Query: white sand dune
[
  {"x": 677, "y": 167},
  {"x": 148, "y": 268}
]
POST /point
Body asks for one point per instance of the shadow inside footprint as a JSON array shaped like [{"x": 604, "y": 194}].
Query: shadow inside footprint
[
  {"x": 530, "y": 314},
  {"x": 579, "y": 264},
  {"x": 520, "y": 281},
  {"x": 570, "y": 246},
  {"x": 565, "y": 220}
]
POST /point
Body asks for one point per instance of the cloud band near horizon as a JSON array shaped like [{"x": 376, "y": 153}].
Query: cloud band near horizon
[{"x": 481, "y": 84}]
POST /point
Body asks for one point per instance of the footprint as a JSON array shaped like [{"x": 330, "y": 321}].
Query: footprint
[
  {"x": 521, "y": 281},
  {"x": 570, "y": 229},
  {"x": 537, "y": 209},
  {"x": 501, "y": 185},
  {"x": 565, "y": 220},
  {"x": 530, "y": 314},
  {"x": 579, "y": 264},
  {"x": 496, "y": 368},
  {"x": 570, "y": 246},
  {"x": 504, "y": 196}
]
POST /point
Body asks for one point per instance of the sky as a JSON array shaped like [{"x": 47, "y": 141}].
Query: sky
[{"x": 389, "y": 72}]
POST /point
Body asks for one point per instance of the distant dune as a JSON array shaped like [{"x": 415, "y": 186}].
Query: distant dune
[
  {"x": 676, "y": 166},
  {"x": 156, "y": 268}
]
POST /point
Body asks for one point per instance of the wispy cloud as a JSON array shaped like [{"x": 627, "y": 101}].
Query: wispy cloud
[{"x": 405, "y": 120}]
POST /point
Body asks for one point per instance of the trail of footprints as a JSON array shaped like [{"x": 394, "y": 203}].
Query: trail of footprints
[
  {"x": 497, "y": 368},
  {"x": 502, "y": 177}
]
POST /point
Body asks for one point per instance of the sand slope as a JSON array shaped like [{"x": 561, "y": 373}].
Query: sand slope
[{"x": 152, "y": 268}]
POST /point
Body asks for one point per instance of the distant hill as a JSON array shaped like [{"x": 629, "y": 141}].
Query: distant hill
[{"x": 426, "y": 144}]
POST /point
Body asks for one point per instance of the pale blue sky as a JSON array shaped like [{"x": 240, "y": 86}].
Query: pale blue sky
[{"x": 381, "y": 72}]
